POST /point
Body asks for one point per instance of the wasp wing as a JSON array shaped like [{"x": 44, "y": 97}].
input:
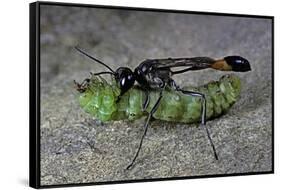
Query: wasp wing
[{"x": 193, "y": 63}]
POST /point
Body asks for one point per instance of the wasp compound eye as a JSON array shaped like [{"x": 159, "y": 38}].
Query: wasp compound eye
[{"x": 238, "y": 64}]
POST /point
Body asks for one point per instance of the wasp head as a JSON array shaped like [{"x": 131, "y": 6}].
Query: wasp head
[{"x": 125, "y": 79}]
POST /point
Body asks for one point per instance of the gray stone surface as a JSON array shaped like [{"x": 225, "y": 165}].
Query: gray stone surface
[{"x": 76, "y": 148}]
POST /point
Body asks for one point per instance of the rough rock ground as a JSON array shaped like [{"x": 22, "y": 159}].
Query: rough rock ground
[{"x": 76, "y": 148}]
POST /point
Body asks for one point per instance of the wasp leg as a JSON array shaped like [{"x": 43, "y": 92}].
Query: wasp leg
[
  {"x": 203, "y": 116},
  {"x": 146, "y": 101},
  {"x": 146, "y": 126},
  {"x": 203, "y": 112}
]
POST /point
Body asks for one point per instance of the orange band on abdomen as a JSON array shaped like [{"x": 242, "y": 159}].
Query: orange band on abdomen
[{"x": 221, "y": 65}]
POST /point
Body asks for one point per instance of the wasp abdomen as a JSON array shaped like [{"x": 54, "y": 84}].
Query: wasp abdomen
[{"x": 238, "y": 63}]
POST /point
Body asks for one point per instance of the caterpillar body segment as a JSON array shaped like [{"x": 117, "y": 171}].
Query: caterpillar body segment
[{"x": 102, "y": 100}]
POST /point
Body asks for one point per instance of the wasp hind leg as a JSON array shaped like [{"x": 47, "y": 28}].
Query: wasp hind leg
[{"x": 203, "y": 111}]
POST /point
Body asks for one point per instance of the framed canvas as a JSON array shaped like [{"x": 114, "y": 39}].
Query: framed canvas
[{"x": 120, "y": 94}]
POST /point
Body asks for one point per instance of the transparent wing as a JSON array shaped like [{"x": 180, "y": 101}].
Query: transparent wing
[{"x": 194, "y": 63}]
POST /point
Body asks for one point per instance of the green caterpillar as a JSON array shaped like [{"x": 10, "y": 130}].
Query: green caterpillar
[{"x": 100, "y": 99}]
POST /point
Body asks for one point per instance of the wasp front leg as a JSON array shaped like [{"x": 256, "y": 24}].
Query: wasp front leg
[
  {"x": 146, "y": 101},
  {"x": 153, "y": 110}
]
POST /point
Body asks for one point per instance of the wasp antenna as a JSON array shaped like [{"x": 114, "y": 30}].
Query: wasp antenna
[
  {"x": 101, "y": 73},
  {"x": 91, "y": 57}
]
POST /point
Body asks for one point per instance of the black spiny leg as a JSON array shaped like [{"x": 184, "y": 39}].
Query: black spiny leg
[
  {"x": 153, "y": 110},
  {"x": 203, "y": 114}
]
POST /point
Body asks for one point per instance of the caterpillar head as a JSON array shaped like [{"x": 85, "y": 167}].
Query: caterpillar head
[
  {"x": 123, "y": 75},
  {"x": 82, "y": 87},
  {"x": 99, "y": 98}
]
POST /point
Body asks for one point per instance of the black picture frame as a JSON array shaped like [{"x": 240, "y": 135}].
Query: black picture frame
[{"x": 34, "y": 99}]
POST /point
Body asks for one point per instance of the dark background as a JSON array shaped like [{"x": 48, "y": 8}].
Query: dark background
[{"x": 76, "y": 148}]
